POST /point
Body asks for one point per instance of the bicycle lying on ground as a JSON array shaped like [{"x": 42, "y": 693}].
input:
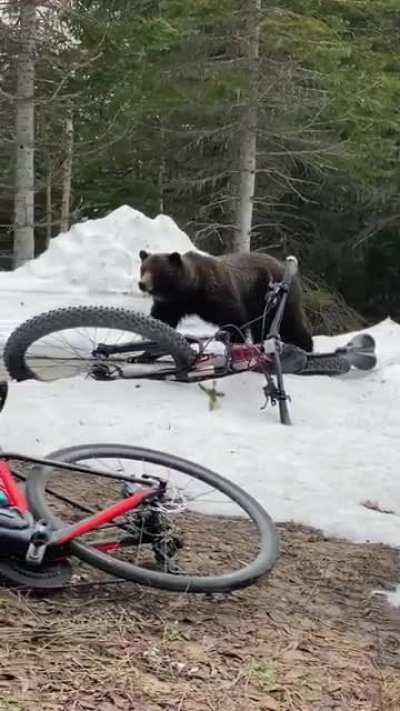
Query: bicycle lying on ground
[
  {"x": 97, "y": 342},
  {"x": 137, "y": 514}
]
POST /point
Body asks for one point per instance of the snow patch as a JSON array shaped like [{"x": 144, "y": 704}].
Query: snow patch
[
  {"x": 98, "y": 256},
  {"x": 392, "y": 596}
]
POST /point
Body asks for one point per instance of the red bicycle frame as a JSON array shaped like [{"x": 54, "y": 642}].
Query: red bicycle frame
[
  {"x": 65, "y": 535},
  {"x": 13, "y": 492},
  {"x": 69, "y": 533}
]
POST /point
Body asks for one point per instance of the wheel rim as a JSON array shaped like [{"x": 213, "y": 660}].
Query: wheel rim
[
  {"x": 71, "y": 352},
  {"x": 221, "y": 541}
]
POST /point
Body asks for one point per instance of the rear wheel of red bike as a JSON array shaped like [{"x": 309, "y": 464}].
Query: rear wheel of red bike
[{"x": 204, "y": 535}]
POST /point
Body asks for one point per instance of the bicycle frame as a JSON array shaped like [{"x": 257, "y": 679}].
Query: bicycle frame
[
  {"x": 239, "y": 357},
  {"x": 35, "y": 537},
  {"x": 14, "y": 494}
]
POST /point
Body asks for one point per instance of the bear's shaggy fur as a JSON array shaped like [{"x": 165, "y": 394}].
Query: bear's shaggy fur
[{"x": 226, "y": 290}]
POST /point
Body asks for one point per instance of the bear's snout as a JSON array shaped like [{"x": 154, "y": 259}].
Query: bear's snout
[{"x": 146, "y": 282}]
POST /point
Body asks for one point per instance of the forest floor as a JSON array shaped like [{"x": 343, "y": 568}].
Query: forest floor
[{"x": 311, "y": 637}]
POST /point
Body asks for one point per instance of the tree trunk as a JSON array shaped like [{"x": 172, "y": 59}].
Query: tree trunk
[
  {"x": 67, "y": 173},
  {"x": 247, "y": 180},
  {"x": 161, "y": 170},
  {"x": 24, "y": 241},
  {"x": 248, "y": 138},
  {"x": 49, "y": 206}
]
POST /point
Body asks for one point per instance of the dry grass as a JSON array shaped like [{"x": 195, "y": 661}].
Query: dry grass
[
  {"x": 327, "y": 311},
  {"x": 311, "y": 638}
]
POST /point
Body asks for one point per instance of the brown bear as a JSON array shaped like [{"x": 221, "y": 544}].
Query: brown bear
[{"x": 228, "y": 291}]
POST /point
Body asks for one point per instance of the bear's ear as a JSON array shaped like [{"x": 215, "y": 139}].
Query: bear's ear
[
  {"x": 175, "y": 259},
  {"x": 143, "y": 255}
]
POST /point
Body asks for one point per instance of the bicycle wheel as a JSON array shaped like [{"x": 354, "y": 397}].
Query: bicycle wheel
[
  {"x": 204, "y": 535},
  {"x": 62, "y": 343}
]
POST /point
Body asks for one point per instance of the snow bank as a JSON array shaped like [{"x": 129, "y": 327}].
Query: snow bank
[
  {"x": 98, "y": 256},
  {"x": 392, "y": 596}
]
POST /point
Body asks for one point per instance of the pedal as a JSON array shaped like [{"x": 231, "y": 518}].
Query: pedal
[{"x": 38, "y": 544}]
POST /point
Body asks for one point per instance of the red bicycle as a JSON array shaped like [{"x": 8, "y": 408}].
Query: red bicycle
[
  {"x": 137, "y": 514},
  {"x": 98, "y": 342}
]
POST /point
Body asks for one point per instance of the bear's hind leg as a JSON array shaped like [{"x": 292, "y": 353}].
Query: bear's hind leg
[
  {"x": 294, "y": 330},
  {"x": 256, "y": 330}
]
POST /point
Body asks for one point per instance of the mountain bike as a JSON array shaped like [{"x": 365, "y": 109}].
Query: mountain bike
[
  {"x": 98, "y": 342},
  {"x": 138, "y": 514}
]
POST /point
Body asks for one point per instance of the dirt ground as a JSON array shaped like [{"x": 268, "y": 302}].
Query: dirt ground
[{"x": 311, "y": 637}]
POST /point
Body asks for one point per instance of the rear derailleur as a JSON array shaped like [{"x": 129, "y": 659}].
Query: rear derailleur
[{"x": 150, "y": 526}]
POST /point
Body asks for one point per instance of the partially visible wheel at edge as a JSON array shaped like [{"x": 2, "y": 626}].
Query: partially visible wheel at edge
[
  {"x": 266, "y": 547},
  {"x": 18, "y": 357}
]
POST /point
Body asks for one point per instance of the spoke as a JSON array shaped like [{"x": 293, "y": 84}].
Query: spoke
[
  {"x": 69, "y": 345},
  {"x": 69, "y": 352}
]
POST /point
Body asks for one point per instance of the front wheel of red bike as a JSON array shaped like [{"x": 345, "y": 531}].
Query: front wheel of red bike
[{"x": 203, "y": 535}]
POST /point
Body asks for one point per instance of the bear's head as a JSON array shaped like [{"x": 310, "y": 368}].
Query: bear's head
[{"x": 162, "y": 275}]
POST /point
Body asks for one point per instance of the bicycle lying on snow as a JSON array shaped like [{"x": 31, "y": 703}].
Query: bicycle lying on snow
[
  {"x": 98, "y": 342},
  {"x": 138, "y": 514}
]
